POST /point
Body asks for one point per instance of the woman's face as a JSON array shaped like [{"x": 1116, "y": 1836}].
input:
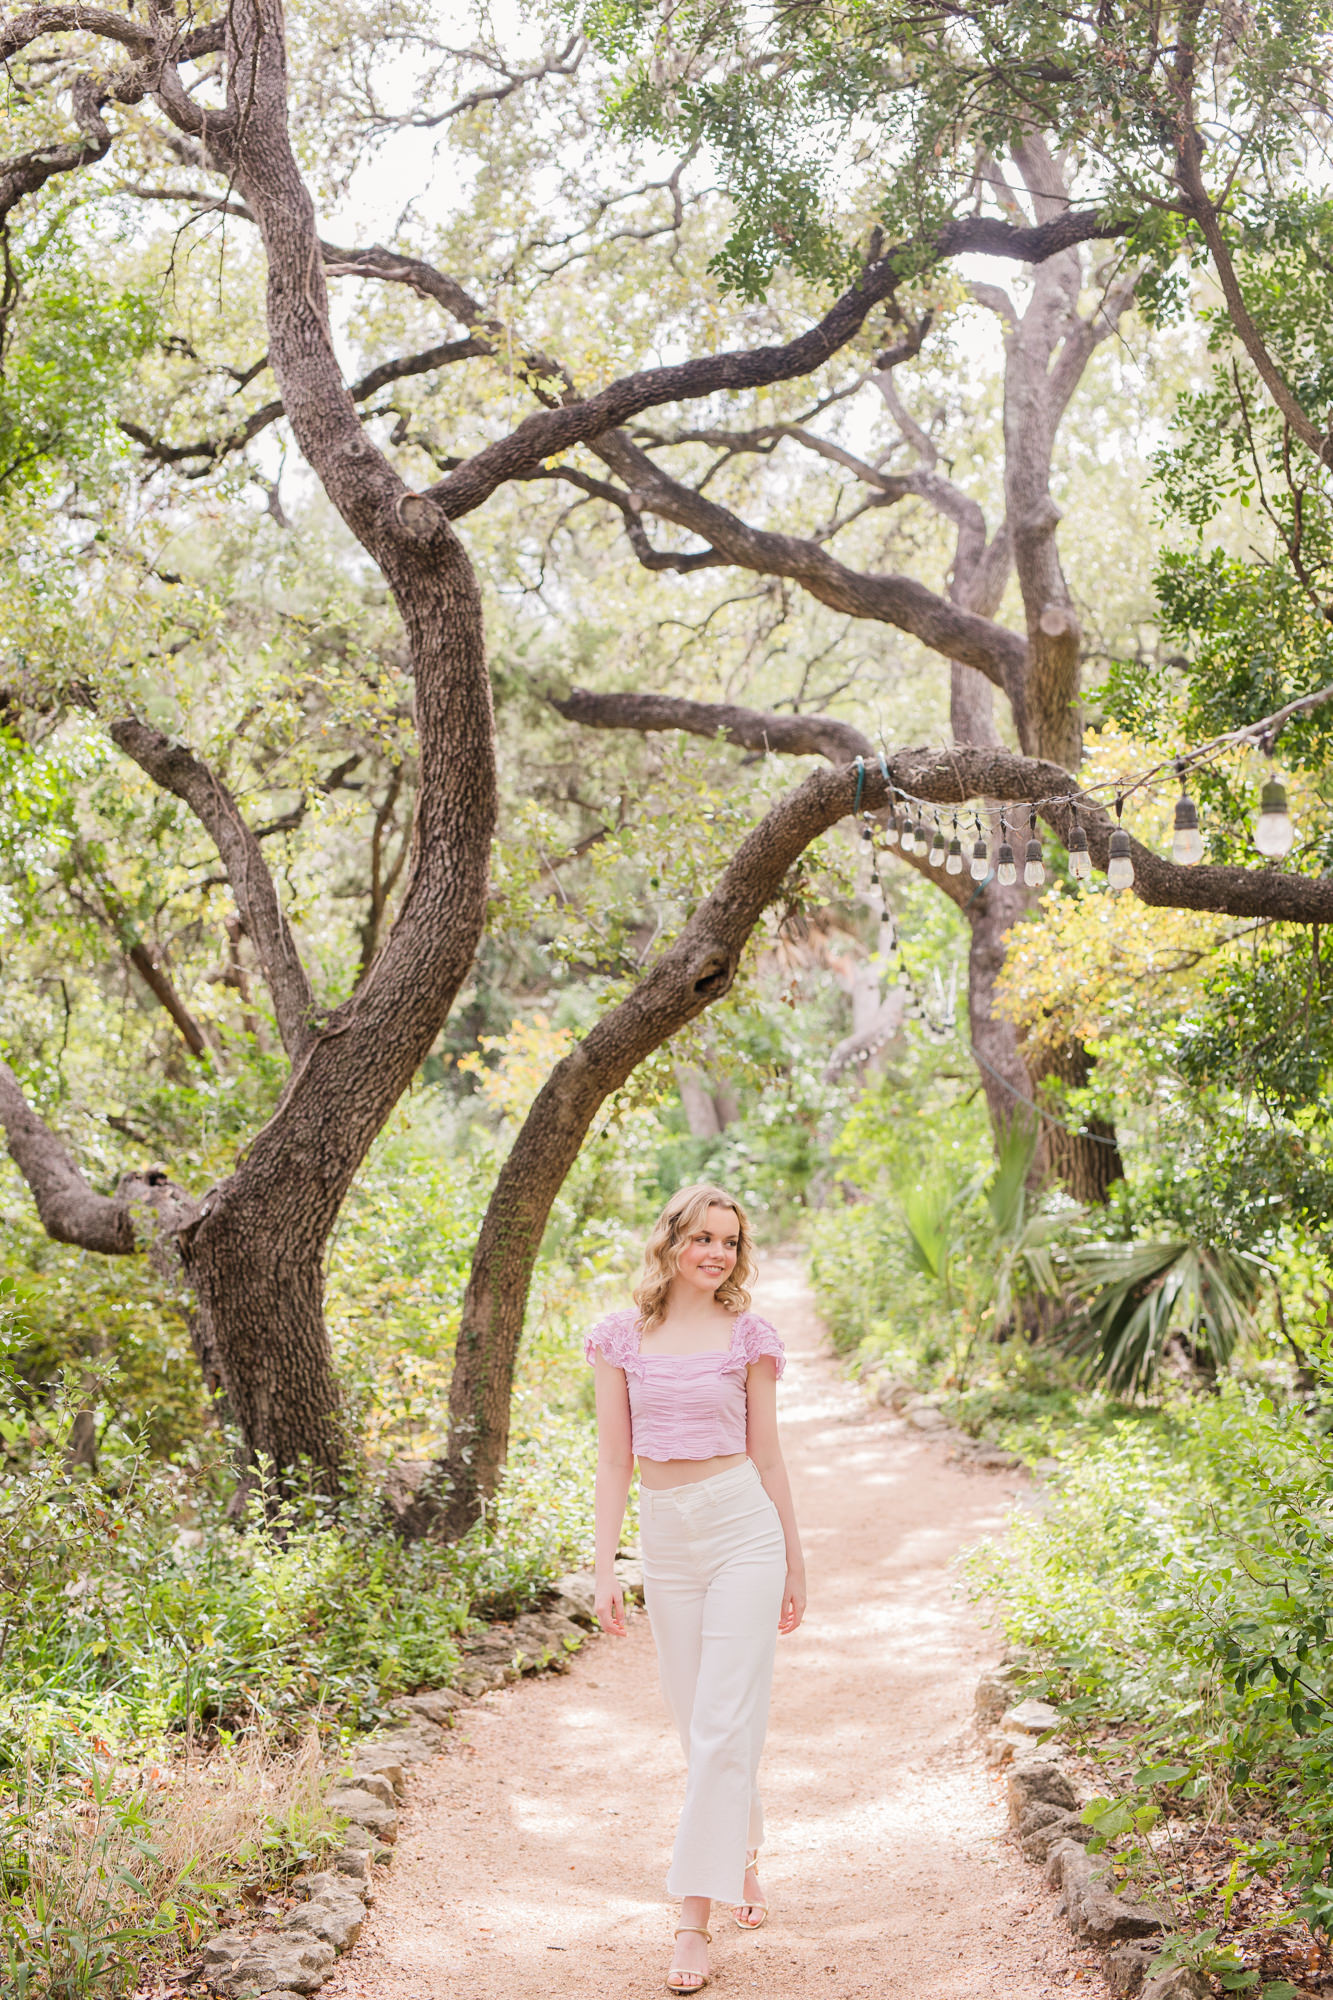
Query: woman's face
[{"x": 708, "y": 1254}]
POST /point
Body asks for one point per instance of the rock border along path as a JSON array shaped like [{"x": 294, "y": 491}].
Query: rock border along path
[{"x": 532, "y": 1851}]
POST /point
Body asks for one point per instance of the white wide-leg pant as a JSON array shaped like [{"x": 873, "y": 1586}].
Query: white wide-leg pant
[{"x": 714, "y": 1568}]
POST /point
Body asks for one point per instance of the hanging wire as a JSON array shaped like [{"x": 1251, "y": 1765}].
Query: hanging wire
[
  {"x": 939, "y": 1030},
  {"x": 1261, "y": 735}
]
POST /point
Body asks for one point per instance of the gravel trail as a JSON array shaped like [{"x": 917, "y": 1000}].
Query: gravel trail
[{"x": 533, "y": 1853}]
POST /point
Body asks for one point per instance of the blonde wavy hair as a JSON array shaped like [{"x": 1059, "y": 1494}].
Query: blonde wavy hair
[{"x": 672, "y": 1230}]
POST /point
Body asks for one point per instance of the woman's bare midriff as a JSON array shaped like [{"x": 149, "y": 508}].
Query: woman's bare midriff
[{"x": 662, "y": 1472}]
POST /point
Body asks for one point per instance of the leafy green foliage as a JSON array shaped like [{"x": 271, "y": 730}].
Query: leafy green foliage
[
  {"x": 1177, "y": 1586},
  {"x": 68, "y": 343},
  {"x": 822, "y": 119},
  {"x": 1267, "y": 1030}
]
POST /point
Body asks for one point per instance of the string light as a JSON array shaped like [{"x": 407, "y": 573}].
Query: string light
[
  {"x": 1080, "y": 861},
  {"x": 1274, "y": 834},
  {"x": 914, "y": 1007},
  {"x": 1186, "y": 840},
  {"x": 1119, "y": 867},
  {"x": 1034, "y": 868},
  {"x": 1273, "y": 830},
  {"x": 1005, "y": 870}
]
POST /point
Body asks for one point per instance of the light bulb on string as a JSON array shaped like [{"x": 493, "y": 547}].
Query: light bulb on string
[
  {"x": 920, "y": 835},
  {"x": 1273, "y": 830},
  {"x": 1119, "y": 867},
  {"x": 1080, "y": 861},
  {"x": 1034, "y": 868},
  {"x": 1186, "y": 840},
  {"x": 937, "y": 845},
  {"x": 980, "y": 865},
  {"x": 954, "y": 863},
  {"x": 1005, "y": 869},
  {"x": 904, "y": 825},
  {"x": 890, "y": 827}
]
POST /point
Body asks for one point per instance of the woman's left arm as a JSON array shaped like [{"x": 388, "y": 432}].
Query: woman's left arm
[{"x": 761, "y": 1444}]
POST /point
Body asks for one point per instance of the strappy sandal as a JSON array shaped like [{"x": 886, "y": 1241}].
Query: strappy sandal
[
  {"x": 679, "y": 1972},
  {"x": 751, "y": 1863}
]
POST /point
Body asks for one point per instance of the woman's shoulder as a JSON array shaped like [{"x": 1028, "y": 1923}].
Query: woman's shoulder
[
  {"x": 615, "y": 1337},
  {"x": 755, "y": 1337}
]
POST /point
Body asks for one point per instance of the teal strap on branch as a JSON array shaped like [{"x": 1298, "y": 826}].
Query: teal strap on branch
[
  {"x": 883, "y": 765},
  {"x": 860, "y": 783}
]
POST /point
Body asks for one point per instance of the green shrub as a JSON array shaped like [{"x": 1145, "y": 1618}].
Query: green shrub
[{"x": 1180, "y": 1588}]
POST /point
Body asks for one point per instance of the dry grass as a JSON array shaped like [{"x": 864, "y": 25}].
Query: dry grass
[{"x": 104, "y": 1868}]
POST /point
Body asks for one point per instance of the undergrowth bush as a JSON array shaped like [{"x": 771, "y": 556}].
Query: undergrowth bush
[
  {"x": 109, "y": 1609},
  {"x": 102, "y": 1862},
  {"x": 1178, "y": 1590}
]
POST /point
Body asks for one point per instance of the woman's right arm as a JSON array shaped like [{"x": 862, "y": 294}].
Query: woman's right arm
[{"x": 615, "y": 1469}]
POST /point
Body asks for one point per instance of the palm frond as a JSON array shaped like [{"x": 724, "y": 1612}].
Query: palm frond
[
  {"x": 1139, "y": 1294},
  {"x": 1006, "y": 1197},
  {"x": 930, "y": 1238}
]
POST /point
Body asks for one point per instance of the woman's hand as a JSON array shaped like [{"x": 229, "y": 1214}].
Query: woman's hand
[
  {"x": 793, "y": 1601},
  {"x": 609, "y": 1605}
]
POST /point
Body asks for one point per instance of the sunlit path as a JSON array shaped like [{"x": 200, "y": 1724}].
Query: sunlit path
[{"x": 534, "y": 1857}]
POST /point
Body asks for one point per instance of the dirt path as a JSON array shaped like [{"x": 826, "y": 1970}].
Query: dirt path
[{"x": 533, "y": 1856}]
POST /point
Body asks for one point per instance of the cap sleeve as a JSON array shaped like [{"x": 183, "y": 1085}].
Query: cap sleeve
[
  {"x": 615, "y": 1338},
  {"x": 758, "y": 1338}
]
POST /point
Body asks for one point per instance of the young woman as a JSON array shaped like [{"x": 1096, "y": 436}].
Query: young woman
[{"x": 687, "y": 1384}]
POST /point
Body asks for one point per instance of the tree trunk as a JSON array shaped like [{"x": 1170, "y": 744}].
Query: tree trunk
[
  {"x": 1085, "y": 1161},
  {"x": 1004, "y": 1074},
  {"x": 258, "y": 1276},
  {"x": 516, "y": 1215},
  {"x": 702, "y": 1108},
  {"x": 81, "y": 1444}
]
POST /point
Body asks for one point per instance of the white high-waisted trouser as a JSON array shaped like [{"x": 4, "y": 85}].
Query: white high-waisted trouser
[{"x": 714, "y": 1570}]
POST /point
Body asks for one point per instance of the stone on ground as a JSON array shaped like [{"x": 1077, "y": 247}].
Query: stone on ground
[
  {"x": 364, "y": 1809},
  {"x": 1095, "y": 1911},
  {"x": 237, "y": 1966}
]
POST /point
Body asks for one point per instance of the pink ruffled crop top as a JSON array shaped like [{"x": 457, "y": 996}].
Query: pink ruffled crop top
[{"x": 685, "y": 1405}]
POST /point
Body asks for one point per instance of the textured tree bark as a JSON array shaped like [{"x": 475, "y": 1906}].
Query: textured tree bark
[
  {"x": 1005, "y": 1078},
  {"x": 1047, "y": 349},
  {"x": 1086, "y": 1161}
]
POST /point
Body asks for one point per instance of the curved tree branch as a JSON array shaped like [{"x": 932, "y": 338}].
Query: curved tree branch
[
  {"x": 547, "y": 432},
  {"x": 950, "y": 629},
  {"x": 961, "y": 776},
  {"x": 750, "y": 728},
  {"x": 69, "y": 1209},
  {"x": 176, "y": 769},
  {"x": 213, "y": 449},
  {"x": 144, "y": 1206}
]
